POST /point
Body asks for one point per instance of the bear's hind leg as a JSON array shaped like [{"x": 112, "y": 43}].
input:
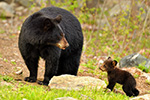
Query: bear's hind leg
[
  {"x": 50, "y": 71},
  {"x": 135, "y": 91},
  {"x": 128, "y": 90},
  {"x": 68, "y": 65},
  {"x": 51, "y": 56}
]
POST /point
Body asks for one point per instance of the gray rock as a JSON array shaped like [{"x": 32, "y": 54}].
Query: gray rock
[
  {"x": 25, "y": 3},
  {"x": 3, "y": 83},
  {"x": 28, "y": 3},
  {"x": 142, "y": 97},
  {"x": 6, "y": 10},
  {"x": 69, "y": 82},
  {"x": 134, "y": 60},
  {"x": 123, "y": 5},
  {"x": 19, "y": 71},
  {"x": 119, "y": 7}
]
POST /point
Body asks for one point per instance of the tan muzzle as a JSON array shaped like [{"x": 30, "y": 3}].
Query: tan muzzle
[{"x": 63, "y": 43}]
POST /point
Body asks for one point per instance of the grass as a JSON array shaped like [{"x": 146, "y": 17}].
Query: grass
[
  {"x": 116, "y": 40},
  {"x": 30, "y": 92},
  {"x": 2, "y": 31},
  {"x": 147, "y": 81},
  {"x": 143, "y": 67},
  {"x": 13, "y": 62},
  {"x": 7, "y": 79}
]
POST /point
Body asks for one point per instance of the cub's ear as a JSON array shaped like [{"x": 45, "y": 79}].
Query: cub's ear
[
  {"x": 48, "y": 24},
  {"x": 109, "y": 58},
  {"x": 58, "y": 18},
  {"x": 114, "y": 63}
]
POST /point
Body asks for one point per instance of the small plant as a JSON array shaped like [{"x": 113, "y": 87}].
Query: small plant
[
  {"x": 5, "y": 60},
  {"x": 13, "y": 62},
  {"x": 0, "y": 55},
  {"x": 7, "y": 79},
  {"x": 136, "y": 76},
  {"x": 143, "y": 68},
  {"x": 12, "y": 36},
  {"x": 147, "y": 81},
  {"x": 89, "y": 65},
  {"x": 80, "y": 70},
  {"x": 2, "y": 31}
]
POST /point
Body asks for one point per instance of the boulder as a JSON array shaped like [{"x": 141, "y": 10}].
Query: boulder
[
  {"x": 25, "y": 3},
  {"x": 6, "y": 10},
  {"x": 119, "y": 7},
  {"x": 142, "y": 97},
  {"x": 134, "y": 60},
  {"x": 69, "y": 82}
]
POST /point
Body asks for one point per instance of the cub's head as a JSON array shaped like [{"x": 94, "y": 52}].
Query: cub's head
[
  {"x": 48, "y": 30},
  {"x": 108, "y": 65}
]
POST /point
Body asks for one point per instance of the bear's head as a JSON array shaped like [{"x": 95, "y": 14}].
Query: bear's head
[
  {"x": 108, "y": 65},
  {"x": 48, "y": 30}
]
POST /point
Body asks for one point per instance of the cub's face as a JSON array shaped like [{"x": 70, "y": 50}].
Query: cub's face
[{"x": 108, "y": 65}]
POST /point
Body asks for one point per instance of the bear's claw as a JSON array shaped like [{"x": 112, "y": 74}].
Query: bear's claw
[{"x": 30, "y": 79}]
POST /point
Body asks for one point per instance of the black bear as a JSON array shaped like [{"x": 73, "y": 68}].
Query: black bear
[
  {"x": 116, "y": 75},
  {"x": 55, "y": 35}
]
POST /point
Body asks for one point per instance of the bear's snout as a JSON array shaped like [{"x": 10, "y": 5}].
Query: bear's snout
[
  {"x": 63, "y": 43},
  {"x": 102, "y": 68}
]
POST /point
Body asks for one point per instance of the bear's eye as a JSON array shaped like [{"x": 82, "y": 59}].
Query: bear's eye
[{"x": 104, "y": 66}]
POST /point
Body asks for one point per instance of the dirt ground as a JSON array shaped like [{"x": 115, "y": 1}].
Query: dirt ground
[{"x": 10, "y": 58}]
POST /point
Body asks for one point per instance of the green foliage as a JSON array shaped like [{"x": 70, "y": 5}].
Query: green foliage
[
  {"x": 2, "y": 31},
  {"x": 117, "y": 37},
  {"x": 2, "y": 16},
  {"x": 13, "y": 62},
  {"x": 0, "y": 55},
  {"x": 89, "y": 64},
  {"x": 143, "y": 68},
  {"x": 12, "y": 36},
  {"x": 7, "y": 78},
  {"x": 147, "y": 81},
  {"x": 40, "y": 93},
  {"x": 5, "y": 60},
  {"x": 136, "y": 75}
]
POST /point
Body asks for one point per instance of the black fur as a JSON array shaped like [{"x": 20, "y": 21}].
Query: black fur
[{"x": 38, "y": 31}]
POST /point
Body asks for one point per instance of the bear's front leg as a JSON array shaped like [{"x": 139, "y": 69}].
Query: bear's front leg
[
  {"x": 111, "y": 85},
  {"x": 51, "y": 57},
  {"x": 50, "y": 71},
  {"x": 32, "y": 64}
]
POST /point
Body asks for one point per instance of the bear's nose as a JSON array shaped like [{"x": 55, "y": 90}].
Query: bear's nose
[{"x": 67, "y": 45}]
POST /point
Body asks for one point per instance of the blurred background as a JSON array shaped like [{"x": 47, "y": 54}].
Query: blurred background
[{"x": 113, "y": 28}]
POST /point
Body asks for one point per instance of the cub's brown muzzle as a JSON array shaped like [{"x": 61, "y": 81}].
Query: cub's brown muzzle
[{"x": 102, "y": 68}]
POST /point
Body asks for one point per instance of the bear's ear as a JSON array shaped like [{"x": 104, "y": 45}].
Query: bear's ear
[
  {"x": 58, "y": 18},
  {"x": 114, "y": 63},
  {"x": 109, "y": 58},
  {"x": 48, "y": 24}
]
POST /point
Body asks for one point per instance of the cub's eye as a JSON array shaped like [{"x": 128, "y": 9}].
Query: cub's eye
[{"x": 104, "y": 66}]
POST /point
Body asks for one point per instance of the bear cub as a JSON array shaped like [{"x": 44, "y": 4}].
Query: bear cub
[{"x": 116, "y": 75}]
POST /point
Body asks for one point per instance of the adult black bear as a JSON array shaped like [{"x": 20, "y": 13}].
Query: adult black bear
[
  {"x": 116, "y": 75},
  {"x": 55, "y": 35}
]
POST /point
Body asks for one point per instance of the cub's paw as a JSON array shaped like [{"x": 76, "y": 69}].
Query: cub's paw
[
  {"x": 42, "y": 83},
  {"x": 30, "y": 79}
]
